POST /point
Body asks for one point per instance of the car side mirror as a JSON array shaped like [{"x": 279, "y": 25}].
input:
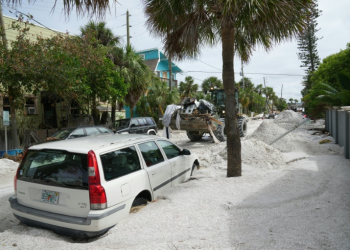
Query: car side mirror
[
  {"x": 186, "y": 152},
  {"x": 132, "y": 125}
]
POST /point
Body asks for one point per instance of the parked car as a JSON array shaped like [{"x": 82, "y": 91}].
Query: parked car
[
  {"x": 139, "y": 125},
  {"x": 85, "y": 186},
  {"x": 70, "y": 133}
]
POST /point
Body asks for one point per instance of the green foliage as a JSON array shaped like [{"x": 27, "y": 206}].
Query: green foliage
[
  {"x": 188, "y": 88},
  {"x": 331, "y": 66},
  {"x": 248, "y": 84},
  {"x": 307, "y": 45},
  {"x": 70, "y": 67},
  {"x": 158, "y": 97},
  {"x": 280, "y": 104},
  {"x": 211, "y": 82},
  {"x": 332, "y": 84}
]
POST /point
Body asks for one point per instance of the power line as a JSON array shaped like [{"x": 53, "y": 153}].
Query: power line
[
  {"x": 206, "y": 63},
  {"x": 31, "y": 18},
  {"x": 217, "y": 72}
]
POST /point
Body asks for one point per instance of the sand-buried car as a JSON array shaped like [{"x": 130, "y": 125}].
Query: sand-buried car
[{"x": 85, "y": 186}]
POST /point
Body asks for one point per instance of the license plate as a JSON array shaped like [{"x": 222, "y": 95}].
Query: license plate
[{"x": 49, "y": 197}]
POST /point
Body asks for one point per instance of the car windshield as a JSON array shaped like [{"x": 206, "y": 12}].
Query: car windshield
[
  {"x": 124, "y": 123},
  {"x": 55, "y": 167},
  {"x": 63, "y": 134}
]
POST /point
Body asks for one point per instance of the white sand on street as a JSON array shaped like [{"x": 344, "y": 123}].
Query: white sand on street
[{"x": 294, "y": 194}]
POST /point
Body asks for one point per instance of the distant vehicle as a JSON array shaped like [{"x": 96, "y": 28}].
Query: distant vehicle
[
  {"x": 70, "y": 133},
  {"x": 138, "y": 125},
  {"x": 76, "y": 132},
  {"x": 84, "y": 187}
]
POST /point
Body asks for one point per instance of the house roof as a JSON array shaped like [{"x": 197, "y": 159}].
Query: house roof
[{"x": 153, "y": 63}]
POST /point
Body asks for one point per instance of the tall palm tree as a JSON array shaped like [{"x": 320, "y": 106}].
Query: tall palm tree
[
  {"x": 187, "y": 25},
  {"x": 269, "y": 93},
  {"x": 105, "y": 36},
  {"x": 135, "y": 73},
  {"x": 188, "y": 88},
  {"x": 102, "y": 33},
  {"x": 290, "y": 102},
  {"x": 211, "y": 82}
]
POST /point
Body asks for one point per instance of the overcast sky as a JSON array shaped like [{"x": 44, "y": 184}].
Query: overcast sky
[{"x": 280, "y": 66}]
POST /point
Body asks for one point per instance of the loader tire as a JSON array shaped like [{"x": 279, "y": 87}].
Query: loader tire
[
  {"x": 220, "y": 131},
  {"x": 242, "y": 127},
  {"x": 194, "y": 135}
]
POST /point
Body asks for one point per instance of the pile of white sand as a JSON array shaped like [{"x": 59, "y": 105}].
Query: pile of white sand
[
  {"x": 297, "y": 140},
  {"x": 289, "y": 117},
  {"x": 260, "y": 155}
]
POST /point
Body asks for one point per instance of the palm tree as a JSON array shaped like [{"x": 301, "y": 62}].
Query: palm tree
[
  {"x": 135, "y": 73},
  {"x": 105, "y": 36},
  {"x": 101, "y": 32},
  {"x": 188, "y": 88},
  {"x": 269, "y": 93},
  {"x": 290, "y": 102},
  {"x": 159, "y": 95},
  {"x": 244, "y": 99},
  {"x": 211, "y": 82},
  {"x": 187, "y": 25}
]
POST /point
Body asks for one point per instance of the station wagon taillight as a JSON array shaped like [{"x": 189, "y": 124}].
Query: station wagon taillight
[
  {"x": 16, "y": 176},
  {"x": 97, "y": 193}
]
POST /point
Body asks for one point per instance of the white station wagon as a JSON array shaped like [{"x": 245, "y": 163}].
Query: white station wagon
[{"x": 85, "y": 186}]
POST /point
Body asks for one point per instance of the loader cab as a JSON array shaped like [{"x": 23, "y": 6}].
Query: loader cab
[{"x": 218, "y": 99}]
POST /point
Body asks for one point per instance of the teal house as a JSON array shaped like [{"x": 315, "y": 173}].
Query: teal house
[{"x": 159, "y": 64}]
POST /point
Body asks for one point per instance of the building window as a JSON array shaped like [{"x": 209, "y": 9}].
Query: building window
[
  {"x": 6, "y": 104},
  {"x": 30, "y": 105}
]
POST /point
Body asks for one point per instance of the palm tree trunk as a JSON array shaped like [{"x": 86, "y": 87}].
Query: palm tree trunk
[{"x": 234, "y": 162}]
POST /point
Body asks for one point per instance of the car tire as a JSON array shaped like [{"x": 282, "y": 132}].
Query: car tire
[
  {"x": 242, "y": 127},
  {"x": 220, "y": 132},
  {"x": 152, "y": 133},
  {"x": 194, "y": 135},
  {"x": 139, "y": 201}
]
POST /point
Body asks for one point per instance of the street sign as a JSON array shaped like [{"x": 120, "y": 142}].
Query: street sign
[{"x": 6, "y": 118}]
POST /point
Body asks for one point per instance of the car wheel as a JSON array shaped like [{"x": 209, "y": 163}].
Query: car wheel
[
  {"x": 139, "y": 201},
  {"x": 152, "y": 133},
  {"x": 194, "y": 168}
]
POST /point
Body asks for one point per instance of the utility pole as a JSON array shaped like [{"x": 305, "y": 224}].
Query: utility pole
[
  {"x": 170, "y": 69},
  {"x": 242, "y": 73},
  {"x": 281, "y": 91},
  {"x": 127, "y": 29}
]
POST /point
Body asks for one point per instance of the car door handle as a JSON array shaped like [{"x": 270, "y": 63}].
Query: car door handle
[
  {"x": 174, "y": 164},
  {"x": 153, "y": 173}
]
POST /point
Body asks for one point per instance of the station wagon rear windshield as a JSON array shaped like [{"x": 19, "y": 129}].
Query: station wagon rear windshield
[{"x": 55, "y": 167}]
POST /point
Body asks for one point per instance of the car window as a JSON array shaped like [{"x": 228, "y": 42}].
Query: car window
[
  {"x": 55, "y": 167},
  {"x": 149, "y": 121},
  {"x": 91, "y": 131},
  {"x": 120, "y": 162},
  {"x": 170, "y": 149},
  {"x": 77, "y": 133},
  {"x": 104, "y": 130},
  {"x": 134, "y": 123},
  {"x": 151, "y": 153},
  {"x": 141, "y": 121},
  {"x": 62, "y": 134},
  {"x": 124, "y": 123}
]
